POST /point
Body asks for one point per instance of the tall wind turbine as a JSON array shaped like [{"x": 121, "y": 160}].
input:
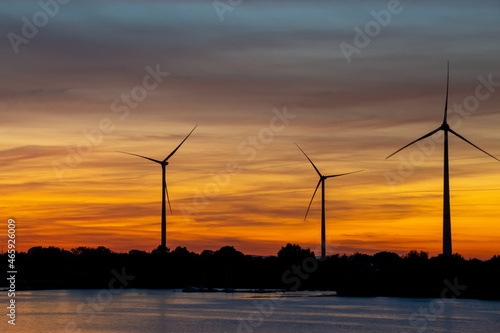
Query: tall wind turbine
[
  {"x": 445, "y": 127},
  {"x": 164, "y": 190},
  {"x": 322, "y": 183}
]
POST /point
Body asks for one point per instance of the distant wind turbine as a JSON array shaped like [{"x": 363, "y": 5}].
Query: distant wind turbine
[
  {"x": 164, "y": 190},
  {"x": 322, "y": 183},
  {"x": 445, "y": 127}
]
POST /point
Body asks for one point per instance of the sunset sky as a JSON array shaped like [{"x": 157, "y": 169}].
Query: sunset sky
[{"x": 256, "y": 77}]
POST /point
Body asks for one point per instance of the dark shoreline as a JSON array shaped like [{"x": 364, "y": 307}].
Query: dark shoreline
[{"x": 384, "y": 274}]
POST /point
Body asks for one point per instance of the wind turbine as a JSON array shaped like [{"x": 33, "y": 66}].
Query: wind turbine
[
  {"x": 445, "y": 127},
  {"x": 322, "y": 183},
  {"x": 164, "y": 190}
]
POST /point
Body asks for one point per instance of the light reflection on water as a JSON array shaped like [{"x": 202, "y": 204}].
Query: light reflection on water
[{"x": 173, "y": 311}]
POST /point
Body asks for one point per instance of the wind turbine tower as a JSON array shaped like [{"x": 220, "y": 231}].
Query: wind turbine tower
[
  {"x": 164, "y": 190},
  {"x": 321, "y": 182},
  {"x": 445, "y": 127}
]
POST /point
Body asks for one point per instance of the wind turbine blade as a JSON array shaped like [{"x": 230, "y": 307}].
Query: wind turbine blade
[
  {"x": 140, "y": 156},
  {"x": 445, "y": 119},
  {"x": 168, "y": 199},
  {"x": 316, "y": 190},
  {"x": 166, "y": 159},
  {"x": 319, "y": 173},
  {"x": 343, "y": 174},
  {"x": 425, "y": 136},
  {"x": 473, "y": 145}
]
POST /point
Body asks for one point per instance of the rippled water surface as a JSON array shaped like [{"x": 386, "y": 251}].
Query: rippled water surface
[{"x": 175, "y": 311}]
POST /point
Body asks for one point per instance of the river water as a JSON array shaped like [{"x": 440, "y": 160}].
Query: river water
[{"x": 174, "y": 311}]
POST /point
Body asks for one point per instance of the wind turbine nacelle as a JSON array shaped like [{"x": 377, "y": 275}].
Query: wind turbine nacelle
[{"x": 445, "y": 126}]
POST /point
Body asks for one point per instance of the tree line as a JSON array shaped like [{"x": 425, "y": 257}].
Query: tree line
[{"x": 293, "y": 268}]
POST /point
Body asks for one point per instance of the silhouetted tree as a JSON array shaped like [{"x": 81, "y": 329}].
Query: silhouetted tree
[
  {"x": 495, "y": 259},
  {"x": 181, "y": 252},
  {"x": 385, "y": 260},
  {"x": 207, "y": 253},
  {"x": 384, "y": 274},
  {"x": 360, "y": 258},
  {"x": 160, "y": 250},
  {"x": 293, "y": 254},
  {"x": 415, "y": 256},
  {"x": 228, "y": 252},
  {"x": 229, "y": 260},
  {"x": 81, "y": 250},
  {"x": 137, "y": 253}
]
